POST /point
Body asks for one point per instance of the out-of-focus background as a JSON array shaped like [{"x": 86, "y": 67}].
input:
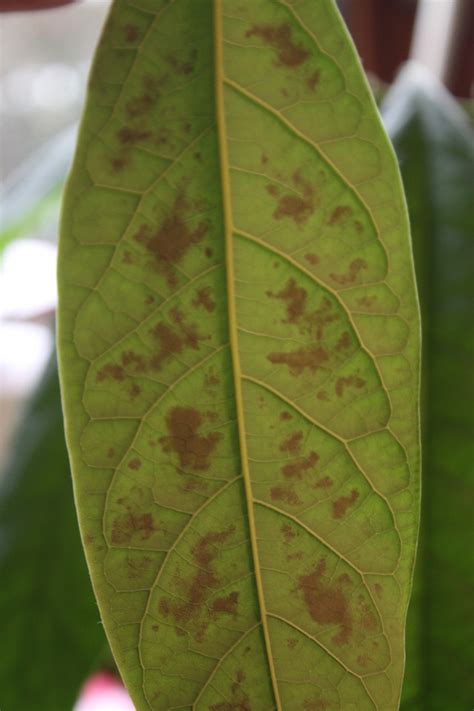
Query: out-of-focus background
[{"x": 45, "y": 58}]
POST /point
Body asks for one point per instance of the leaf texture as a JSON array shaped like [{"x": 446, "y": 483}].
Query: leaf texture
[{"x": 239, "y": 355}]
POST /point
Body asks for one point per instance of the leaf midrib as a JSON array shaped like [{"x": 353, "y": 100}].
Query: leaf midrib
[{"x": 233, "y": 332}]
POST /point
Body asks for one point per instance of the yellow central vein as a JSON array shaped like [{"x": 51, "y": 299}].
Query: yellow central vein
[{"x": 233, "y": 336}]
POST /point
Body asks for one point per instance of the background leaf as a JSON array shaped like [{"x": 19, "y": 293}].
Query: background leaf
[
  {"x": 51, "y": 634},
  {"x": 239, "y": 360},
  {"x": 434, "y": 143}
]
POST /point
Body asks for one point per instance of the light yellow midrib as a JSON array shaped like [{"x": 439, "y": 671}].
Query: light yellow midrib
[{"x": 233, "y": 337}]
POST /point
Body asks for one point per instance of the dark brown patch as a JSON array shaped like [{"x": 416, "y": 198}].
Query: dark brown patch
[
  {"x": 281, "y": 493},
  {"x": 226, "y": 605},
  {"x": 264, "y": 159},
  {"x": 127, "y": 257},
  {"x": 326, "y": 605},
  {"x": 110, "y": 371},
  {"x": 149, "y": 300},
  {"x": 193, "y": 450},
  {"x": 192, "y": 610},
  {"x": 312, "y": 258},
  {"x": 110, "y": 452},
  {"x": 288, "y": 532},
  {"x": 322, "y": 395},
  {"x": 351, "y": 381},
  {"x": 144, "y": 102},
  {"x": 292, "y": 444},
  {"x": 180, "y": 67},
  {"x": 295, "y": 470},
  {"x": 134, "y": 464},
  {"x": 134, "y": 391},
  {"x": 344, "y": 579},
  {"x": 294, "y": 298},
  {"x": 208, "y": 252},
  {"x": 129, "y": 135},
  {"x": 174, "y": 341},
  {"x": 324, "y": 483},
  {"x": 362, "y": 660},
  {"x": 367, "y": 618},
  {"x": 127, "y": 526},
  {"x": 343, "y": 343},
  {"x": 341, "y": 212},
  {"x": 311, "y": 358},
  {"x": 170, "y": 243},
  {"x": 131, "y": 33},
  {"x": 367, "y": 301},
  {"x": 279, "y": 38},
  {"x": 291, "y": 643},
  {"x": 378, "y": 590},
  {"x": 285, "y": 416},
  {"x": 340, "y": 506},
  {"x": 352, "y": 273},
  {"x": 119, "y": 163},
  {"x": 239, "y": 700},
  {"x": 204, "y": 299},
  {"x": 297, "y": 207},
  {"x": 313, "y": 80}
]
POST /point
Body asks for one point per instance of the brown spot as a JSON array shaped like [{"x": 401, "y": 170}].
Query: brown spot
[
  {"x": 313, "y": 80},
  {"x": 311, "y": 358},
  {"x": 128, "y": 135},
  {"x": 326, "y": 605},
  {"x": 180, "y": 67},
  {"x": 197, "y": 156},
  {"x": 134, "y": 361},
  {"x": 279, "y": 38},
  {"x": 295, "y": 470},
  {"x": 173, "y": 342},
  {"x": 264, "y": 159},
  {"x": 291, "y": 643},
  {"x": 367, "y": 618},
  {"x": 143, "y": 103},
  {"x": 125, "y": 527},
  {"x": 134, "y": 464},
  {"x": 378, "y": 589},
  {"x": 292, "y": 444},
  {"x": 341, "y": 212},
  {"x": 322, "y": 395},
  {"x": 294, "y": 298},
  {"x": 211, "y": 381},
  {"x": 359, "y": 227},
  {"x": 155, "y": 628},
  {"x": 295, "y": 556},
  {"x": 324, "y": 483},
  {"x": 285, "y": 416},
  {"x": 208, "y": 252},
  {"x": 352, "y": 273},
  {"x": 192, "y": 610},
  {"x": 136, "y": 567},
  {"x": 239, "y": 700},
  {"x": 127, "y": 257},
  {"x": 362, "y": 660},
  {"x": 134, "y": 391},
  {"x": 204, "y": 299},
  {"x": 193, "y": 449},
  {"x": 351, "y": 381},
  {"x": 298, "y": 208},
  {"x": 340, "y": 506},
  {"x": 280, "y": 493},
  {"x": 110, "y": 452},
  {"x": 344, "y": 579},
  {"x": 226, "y": 605},
  {"x": 173, "y": 239},
  {"x": 312, "y": 258},
  {"x": 149, "y": 300},
  {"x": 110, "y": 371},
  {"x": 343, "y": 343},
  {"x": 367, "y": 301},
  {"x": 288, "y": 532},
  {"x": 131, "y": 33}
]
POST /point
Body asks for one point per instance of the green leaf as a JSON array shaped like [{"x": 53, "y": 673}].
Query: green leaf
[
  {"x": 51, "y": 635},
  {"x": 239, "y": 350},
  {"x": 434, "y": 143}
]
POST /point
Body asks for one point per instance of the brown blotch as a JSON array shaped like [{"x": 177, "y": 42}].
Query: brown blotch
[
  {"x": 204, "y": 299},
  {"x": 367, "y": 618},
  {"x": 352, "y": 273},
  {"x": 180, "y": 67},
  {"x": 134, "y": 464},
  {"x": 110, "y": 452},
  {"x": 311, "y": 358},
  {"x": 351, "y": 381},
  {"x": 291, "y": 643},
  {"x": 340, "y": 506},
  {"x": 279, "y": 38},
  {"x": 264, "y": 159},
  {"x": 295, "y": 470},
  {"x": 193, "y": 449},
  {"x": 239, "y": 700},
  {"x": 367, "y": 301},
  {"x": 126, "y": 526},
  {"x": 289, "y": 496},
  {"x": 322, "y": 395},
  {"x": 324, "y": 483},
  {"x": 362, "y": 660},
  {"x": 326, "y": 605},
  {"x": 173, "y": 342},
  {"x": 313, "y": 80},
  {"x": 288, "y": 532},
  {"x": 298, "y": 208},
  {"x": 294, "y": 298},
  {"x": 173, "y": 239},
  {"x": 119, "y": 163},
  {"x": 208, "y": 252},
  {"x": 149, "y": 300},
  {"x": 134, "y": 391},
  {"x": 344, "y": 579},
  {"x": 341, "y": 212},
  {"x": 226, "y": 605},
  {"x": 193, "y": 609},
  {"x": 128, "y": 135},
  {"x": 285, "y": 416},
  {"x": 378, "y": 590},
  {"x": 312, "y": 258},
  {"x": 292, "y": 444},
  {"x": 110, "y": 371},
  {"x": 343, "y": 343},
  {"x": 142, "y": 104},
  {"x": 134, "y": 361},
  {"x": 131, "y": 33},
  {"x": 127, "y": 257}
]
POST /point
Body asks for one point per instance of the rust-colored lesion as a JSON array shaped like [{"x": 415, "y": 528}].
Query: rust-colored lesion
[
  {"x": 341, "y": 505},
  {"x": 174, "y": 341},
  {"x": 351, "y": 381},
  {"x": 204, "y": 299},
  {"x": 129, "y": 135},
  {"x": 297, "y": 469},
  {"x": 278, "y": 37},
  {"x": 130, "y": 32},
  {"x": 292, "y": 444},
  {"x": 353, "y": 272},
  {"x": 314, "y": 322},
  {"x": 170, "y": 243},
  {"x": 339, "y": 214},
  {"x": 312, "y": 258},
  {"x": 183, "y": 67},
  {"x": 326, "y": 604},
  {"x": 311, "y": 358},
  {"x": 313, "y": 80},
  {"x": 190, "y": 610},
  {"x": 285, "y": 494},
  {"x": 133, "y": 526},
  {"x": 299, "y": 207},
  {"x": 194, "y": 450},
  {"x": 288, "y": 532},
  {"x": 294, "y": 298},
  {"x": 324, "y": 483},
  {"x": 239, "y": 699}
]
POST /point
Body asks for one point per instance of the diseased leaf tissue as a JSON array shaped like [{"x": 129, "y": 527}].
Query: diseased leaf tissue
[{"x": 239, "y": 357}]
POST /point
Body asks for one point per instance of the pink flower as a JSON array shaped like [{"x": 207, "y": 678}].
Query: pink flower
[{"x": 104, "y": 692}]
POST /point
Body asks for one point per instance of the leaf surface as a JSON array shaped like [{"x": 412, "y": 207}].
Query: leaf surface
[
  {"x": 239, "y": 356},
  {"x": 50, "y": 622},
  {"x": 434, "y": 144}
]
